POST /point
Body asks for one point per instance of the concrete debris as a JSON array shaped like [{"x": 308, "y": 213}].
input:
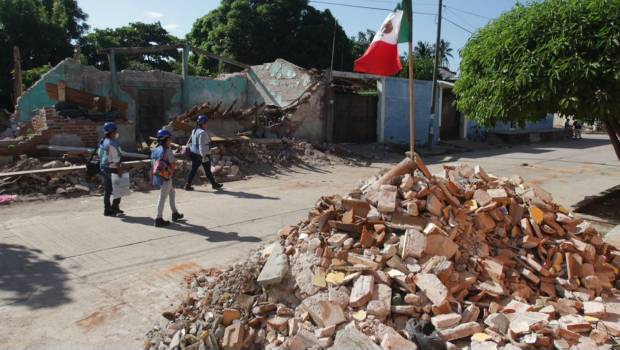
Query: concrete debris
[
  {"x": 490, "y": 264},
  {"x": 276, "y": 267}
]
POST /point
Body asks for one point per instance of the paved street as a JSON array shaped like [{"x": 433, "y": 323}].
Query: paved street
[{"x": 71, "y": 278}]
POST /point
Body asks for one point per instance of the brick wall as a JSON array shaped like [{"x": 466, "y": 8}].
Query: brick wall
[{"x": 46, "y": 124}]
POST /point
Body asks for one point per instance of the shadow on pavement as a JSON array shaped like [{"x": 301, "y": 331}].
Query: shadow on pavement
[
  {"x": 184, "y": 226},
  {"x": 239, "y": 194},
  {"x": 605, "y": 205},
  {"x": 27, "y": 279}
]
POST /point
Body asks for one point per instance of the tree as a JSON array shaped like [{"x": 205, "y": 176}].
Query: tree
[
  {"x": 423, "y": 49},
  {"x": 259, "y": 31},
  {"x": 134, "y": 34},
  {"x": 44, "y": 30},
  {"x": 361, "y": 43},
  {"x": 445, "y": 51},
  {"x": 544, "y": 57},
  {"x": 422, "y": 66},
  {"x": 31, "y": 76}
]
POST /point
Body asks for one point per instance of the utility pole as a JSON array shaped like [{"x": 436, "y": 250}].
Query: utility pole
[
  {"x": 435, "y": 74},
  {"x": 331, "y": 66},
  {"x": 17, "y": 74}
]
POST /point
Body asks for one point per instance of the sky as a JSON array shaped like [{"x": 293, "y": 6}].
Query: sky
[{"x": 178, "y": 16}]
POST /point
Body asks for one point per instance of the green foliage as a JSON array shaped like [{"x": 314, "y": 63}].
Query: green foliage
[
  {"x": 43, "y": 30},
  {"x": 445, "y": 52},
  {"x": 422, "y": 67},
  {"x": 361, "y": 43},
  {"x": 549, "y": 56},
  {"x": 134, "y": 34},
  {"x": 31, "y": 76},
  {"x": 259, "y": 31},
  {"x": 423, "y": 49}
]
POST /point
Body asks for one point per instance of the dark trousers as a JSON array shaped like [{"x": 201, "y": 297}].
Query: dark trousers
[
  {"x": 196, "y": 163},
  {"x": 106, "y": 177}
]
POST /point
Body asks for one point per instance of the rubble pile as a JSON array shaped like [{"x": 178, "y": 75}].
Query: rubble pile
[
  {"x": 459, "y": 259},
  {"x": 67, "y": 182},
  {"x": 284, "y": 152}
]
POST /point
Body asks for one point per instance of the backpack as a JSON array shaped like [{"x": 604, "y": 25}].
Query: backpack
[{"x": 92, "y": 165}]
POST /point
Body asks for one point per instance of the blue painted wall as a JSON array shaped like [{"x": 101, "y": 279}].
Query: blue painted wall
[
  {"x": 396, "y": 111},
  {"x": 543, "y": 124},
  {"x": 35, "y": 97},
  {"x": 233, "y": 89}
]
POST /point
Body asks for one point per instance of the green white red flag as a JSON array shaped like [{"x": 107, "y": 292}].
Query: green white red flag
[{"x": 382, "y": 58}]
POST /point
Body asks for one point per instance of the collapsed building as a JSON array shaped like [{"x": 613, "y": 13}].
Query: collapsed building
[
  {"x": 69, "y": 103},
  {"x": 67, "y": 106}
]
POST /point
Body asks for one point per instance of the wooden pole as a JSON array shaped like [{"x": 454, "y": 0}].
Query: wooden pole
[
  {"x": 409, "y": 15},
  {"x": 17, "y": 74}
]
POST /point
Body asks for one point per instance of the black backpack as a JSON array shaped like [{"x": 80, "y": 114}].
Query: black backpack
[{"x": 92, "y": 166}]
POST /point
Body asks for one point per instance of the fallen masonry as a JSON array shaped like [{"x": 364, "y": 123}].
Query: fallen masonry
[{"x": 482, "y": 262}]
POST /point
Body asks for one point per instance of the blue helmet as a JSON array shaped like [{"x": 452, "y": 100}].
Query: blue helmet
[
  {"x": 202, "y": 119},
  {"x": 163, "y": 134},
  {"x": 109, "y": 127}
]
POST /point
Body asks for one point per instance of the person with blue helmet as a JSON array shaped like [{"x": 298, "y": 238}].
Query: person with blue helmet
[
  {"x": 163, "y": 174},
  {"x": 200, "y": 147},
  {"x": 110, "y": 157}
]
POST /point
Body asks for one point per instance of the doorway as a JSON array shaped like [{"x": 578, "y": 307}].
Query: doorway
[
  {"x": 150, "y": 113},
  {"x": 355, "y": 118},
  {"x": 450, "y": 117}
]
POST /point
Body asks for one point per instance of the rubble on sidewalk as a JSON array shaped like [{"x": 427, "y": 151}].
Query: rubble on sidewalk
[{"x": 471, "y": 259}]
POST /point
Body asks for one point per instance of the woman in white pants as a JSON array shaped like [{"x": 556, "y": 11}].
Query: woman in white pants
[{"x": 163, "y": 174}]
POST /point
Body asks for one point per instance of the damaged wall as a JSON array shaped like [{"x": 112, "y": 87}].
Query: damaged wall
[
  {"x": 284, "y": 84},
  {"x": 230, "y": 90},
  {"x": 280, "y": 83}
]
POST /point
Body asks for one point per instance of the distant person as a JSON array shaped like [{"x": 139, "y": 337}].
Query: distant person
[
  {"x": 110, "y": 157},
  {"x": 567, "y": 124},
  {"x": 200, "y": 147},
  {"x": 163, "y": 174},
  {"x": 577, "y": 126}
]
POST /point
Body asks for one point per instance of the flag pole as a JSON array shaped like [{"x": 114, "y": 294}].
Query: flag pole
[{"x": 409, "y": 15}]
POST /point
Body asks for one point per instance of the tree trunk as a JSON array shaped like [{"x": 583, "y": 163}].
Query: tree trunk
[
  {"x": 614, "y": 126},
  {"x": 613, "y": 136}
]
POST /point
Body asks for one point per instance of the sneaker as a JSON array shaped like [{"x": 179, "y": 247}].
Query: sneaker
[
  {"x": 117, "y": 211},
  {"x": 217, "y": 186},
  {"x": 109, "y": 213},
  {"x": 189, "y": 188},
  {"x": 177, "y": 216},
  {"x": 159, "y": 222}
]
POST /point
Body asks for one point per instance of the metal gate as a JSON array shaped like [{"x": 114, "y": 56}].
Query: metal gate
[
  {"x": 355, "y": 118},
  {"x": 150, "y": 113},
  {"x": 450, "y": 117}
]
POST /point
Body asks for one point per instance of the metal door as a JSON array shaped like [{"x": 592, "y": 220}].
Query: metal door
[{"x": 355, "y": 118}]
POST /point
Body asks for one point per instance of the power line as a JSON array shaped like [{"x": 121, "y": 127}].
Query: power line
[
  {"x": 458, "y": 25},
  {"x": 390, "y": 10},
  {"x": 458, "y": 17},
  {"x": 369, "y": 8},
  {"x": 467, "y": 12}
]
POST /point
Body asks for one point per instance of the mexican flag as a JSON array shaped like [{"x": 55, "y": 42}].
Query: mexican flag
[{"x": 381, "y": 58}]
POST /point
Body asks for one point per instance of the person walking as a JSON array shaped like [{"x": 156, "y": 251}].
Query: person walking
[
  {"x": 577, "y": 126},
  {"x": 163, "y": 174},
  {"x": 200, "y": 148},
  {"x": 110, "y": 156}
]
